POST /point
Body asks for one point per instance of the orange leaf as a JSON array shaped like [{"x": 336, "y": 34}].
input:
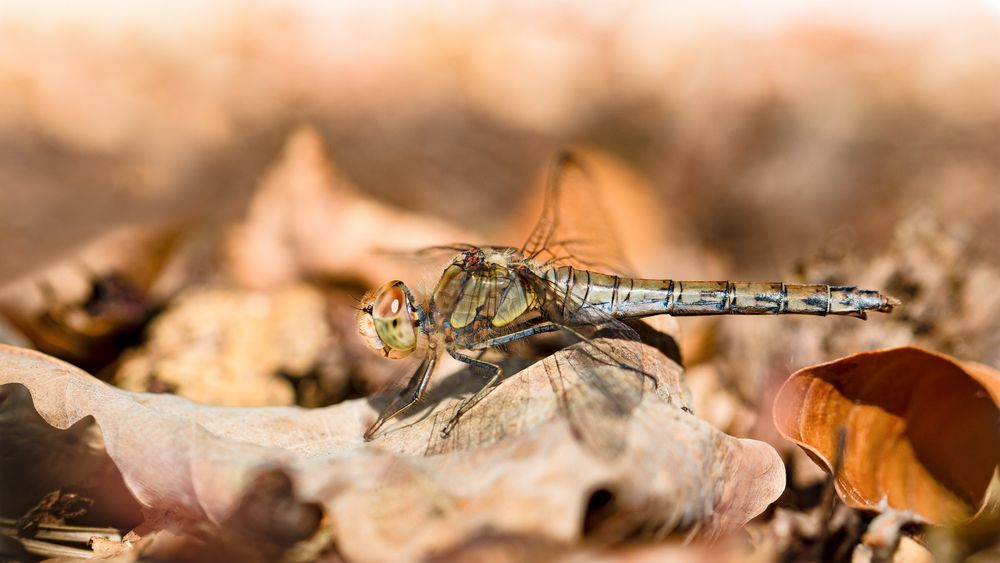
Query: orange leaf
[{"x": 922, "y": 429}]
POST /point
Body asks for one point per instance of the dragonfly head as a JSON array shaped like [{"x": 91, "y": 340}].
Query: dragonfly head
[{"x": 388, "y": 320}]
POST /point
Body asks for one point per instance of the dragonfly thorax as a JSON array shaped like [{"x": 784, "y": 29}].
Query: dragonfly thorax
[
  {"x": 388, "y": 320},
  {"x": 482, "y": 289}
]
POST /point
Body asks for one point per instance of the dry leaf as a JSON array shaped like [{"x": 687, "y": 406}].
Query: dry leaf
[
  {"x": 385, "y": 500},
  {"x": 972, "y": 540},
  {"x": 921, "y": 428},
  {"x": 85, "y": 307},
  {"x": 307, "y": 218},
  {"x": 39, "y": 459},
  {"x": 141, "y": 251},
  {"x": 229, "y": 346}
]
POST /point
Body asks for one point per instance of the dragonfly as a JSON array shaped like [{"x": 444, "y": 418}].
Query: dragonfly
[{"x": 567, "y": 277}]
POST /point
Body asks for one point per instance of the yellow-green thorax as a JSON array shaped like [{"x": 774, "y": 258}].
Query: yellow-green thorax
[{"x": 483, "y": 285}]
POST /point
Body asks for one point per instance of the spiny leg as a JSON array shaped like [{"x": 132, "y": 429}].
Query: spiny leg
[
  {"x": 497, "y": 373},
  {"x": 546, "y": 326},
  {"x": 414, "y": 389}
]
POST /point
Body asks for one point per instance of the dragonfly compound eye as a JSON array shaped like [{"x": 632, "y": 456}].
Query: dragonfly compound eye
[{"x": 393, "y": 320}]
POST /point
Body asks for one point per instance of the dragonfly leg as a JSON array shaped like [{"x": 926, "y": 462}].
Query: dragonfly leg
[
  {"x": 407, "y": 397},
  {"x": 496, "y": 372},
  {"x": 525, "y": 333}
]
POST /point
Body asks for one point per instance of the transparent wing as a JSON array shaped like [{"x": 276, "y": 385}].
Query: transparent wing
[
  {"x": 421, "y": 267},
  {"x": 600, "y": 380},
  {"x": 573, "y": 228},
  {"x": 436, "y": 252},
  {"x": 425, "y": 261}
]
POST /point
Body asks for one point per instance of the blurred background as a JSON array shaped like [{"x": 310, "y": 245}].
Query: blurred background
[
  {"x": 763, "y": 132},
  {"x": 271, "y": 142}
]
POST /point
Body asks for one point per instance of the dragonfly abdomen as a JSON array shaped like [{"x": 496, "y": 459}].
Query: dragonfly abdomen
[
  {"x": 622, "y": 297},
  {"x": 773, "y": 298}
]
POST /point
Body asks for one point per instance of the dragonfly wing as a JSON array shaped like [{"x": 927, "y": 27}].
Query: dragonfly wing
[
  {"x": 596, "y": 397},
  {"x": 573, "y": 228},
  {"x": 436, "y": 252},
  {"x": 600, "y": 380}
]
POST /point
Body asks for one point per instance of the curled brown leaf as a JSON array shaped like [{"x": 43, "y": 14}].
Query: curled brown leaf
[{"x": 922, "y": 429}]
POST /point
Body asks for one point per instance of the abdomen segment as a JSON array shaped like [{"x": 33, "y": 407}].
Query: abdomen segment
[{"x": 630, "y": 298}]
